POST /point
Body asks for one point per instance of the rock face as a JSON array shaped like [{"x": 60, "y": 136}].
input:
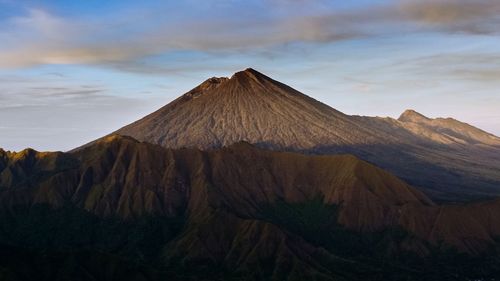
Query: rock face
[
  {"x": 248, "y": 107},
  {"x": 162, "y": 209},
  {"x": 445, "y": 158},
  {"x": 255, "y": 212},
  {"x": 119, "y": 176},
  {"x": 446, "y": 130}
]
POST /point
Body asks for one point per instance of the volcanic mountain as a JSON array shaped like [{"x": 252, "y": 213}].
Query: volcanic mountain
[
  {"x": 447, "y": 159},
  {"x": 237, "y": 180},
  {"x": 119, "y": 209}
]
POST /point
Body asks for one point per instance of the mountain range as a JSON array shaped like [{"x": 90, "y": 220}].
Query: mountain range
[
  {"x": 447, "y": 159},
  {"x": 245, "y": 178}
]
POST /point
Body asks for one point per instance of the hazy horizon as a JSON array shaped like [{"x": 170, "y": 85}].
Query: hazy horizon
[{"x": 75, "y": 71}]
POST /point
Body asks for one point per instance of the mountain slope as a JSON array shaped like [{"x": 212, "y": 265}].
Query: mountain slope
[
  {"x": 119, "y": 176},
  {"x": 239, "y": 212},
  {"x": 447, "y": 159},
  {"x": 446, "y": 130},
  {"x": 248, "y": 107}
]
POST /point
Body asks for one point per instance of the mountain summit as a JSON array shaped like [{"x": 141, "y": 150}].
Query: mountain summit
[
  {"x": 448, "y": 130},
  {"x": 448, "y": 159},
  {"x": 122, "y": 209},
  {"x": 411, "y": 115},
  {"x": 247, "y": 107}
]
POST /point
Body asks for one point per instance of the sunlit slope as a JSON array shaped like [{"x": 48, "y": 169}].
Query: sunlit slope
[{"x": 447, "y": 159}]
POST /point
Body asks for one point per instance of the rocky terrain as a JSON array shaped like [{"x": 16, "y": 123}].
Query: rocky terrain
[
  {"x": 245, "y": 178},
  {"x": 447, "y": 159},
  {"x": 236, "y": 213}
]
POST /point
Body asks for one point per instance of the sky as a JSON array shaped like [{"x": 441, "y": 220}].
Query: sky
[{"x": 73, "y": 71}]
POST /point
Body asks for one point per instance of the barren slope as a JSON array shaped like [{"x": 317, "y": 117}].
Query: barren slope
[
  {"x": 119, "y": 176},
  {"x": 237, "y": 210},
  {"x": 248, "y": 107},
  {"x": 447, "y": 159}
]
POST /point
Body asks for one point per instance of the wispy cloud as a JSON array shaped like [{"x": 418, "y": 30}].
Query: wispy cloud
[
  {"x": 141, "y": 56},
  {"x": 472, "y": 68},
  {"x": 40, "y": 37},
  {"x": 18, "y": 91},
  {"x": 47, "y": 114},
  {"x": 471, "y": 16}
]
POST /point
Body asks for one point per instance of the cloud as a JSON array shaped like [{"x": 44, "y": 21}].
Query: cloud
[
  {"x": 449, "y": 11},
  {"x": 452, "y": 64},
  {"x": 26, "y": 91},
  {"x": 40, "y": 37},
  {"x": 471, "y": 16},
  {"x": 59, "y": 114}
]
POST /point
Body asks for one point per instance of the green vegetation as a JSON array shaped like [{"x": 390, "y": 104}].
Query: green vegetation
[
  {"x": 373, "y": 255},
  {"x": 41, "y": 243},
  {"x": 71, "y": 229}
]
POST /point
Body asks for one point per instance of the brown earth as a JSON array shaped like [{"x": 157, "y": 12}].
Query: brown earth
[
  {"x": 447, "y": 159},
  {"x": 232, "y": 194}
]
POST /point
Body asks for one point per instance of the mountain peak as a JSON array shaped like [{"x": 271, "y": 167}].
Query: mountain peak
[
  {"x": 411, "y": 115},
  {"x": 248, "y": 106},
  {"x": 247, "y": 72},
  {"x": 211, "y": 83},
  {"x": 248, "y": 75},
  {"x": 252, "y": 107}
]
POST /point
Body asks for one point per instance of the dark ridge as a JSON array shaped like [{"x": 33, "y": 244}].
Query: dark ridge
[{"x": 253, "y": 107}]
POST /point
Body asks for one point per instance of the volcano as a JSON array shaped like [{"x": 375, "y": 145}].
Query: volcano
[
  {"x": 250, "y": 107},
  {"x": 447, "y": 159},
  {"x": 244, "y": 178}
]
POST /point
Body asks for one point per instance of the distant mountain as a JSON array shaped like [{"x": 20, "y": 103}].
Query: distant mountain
[
  {"x": 244, "y": 178},
  {"x": 447, "y": 159},
  {"x": 446, "y": 130},
  {"x": 235, "y": 213}
]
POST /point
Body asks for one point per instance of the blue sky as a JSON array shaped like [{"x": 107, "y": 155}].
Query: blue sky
[{"x": 72, "y": 71}]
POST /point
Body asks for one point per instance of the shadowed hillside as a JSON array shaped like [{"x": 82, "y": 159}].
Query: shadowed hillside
[
  {"x": 447, "y": 159},
  {"x": 234, "y": 213}
]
